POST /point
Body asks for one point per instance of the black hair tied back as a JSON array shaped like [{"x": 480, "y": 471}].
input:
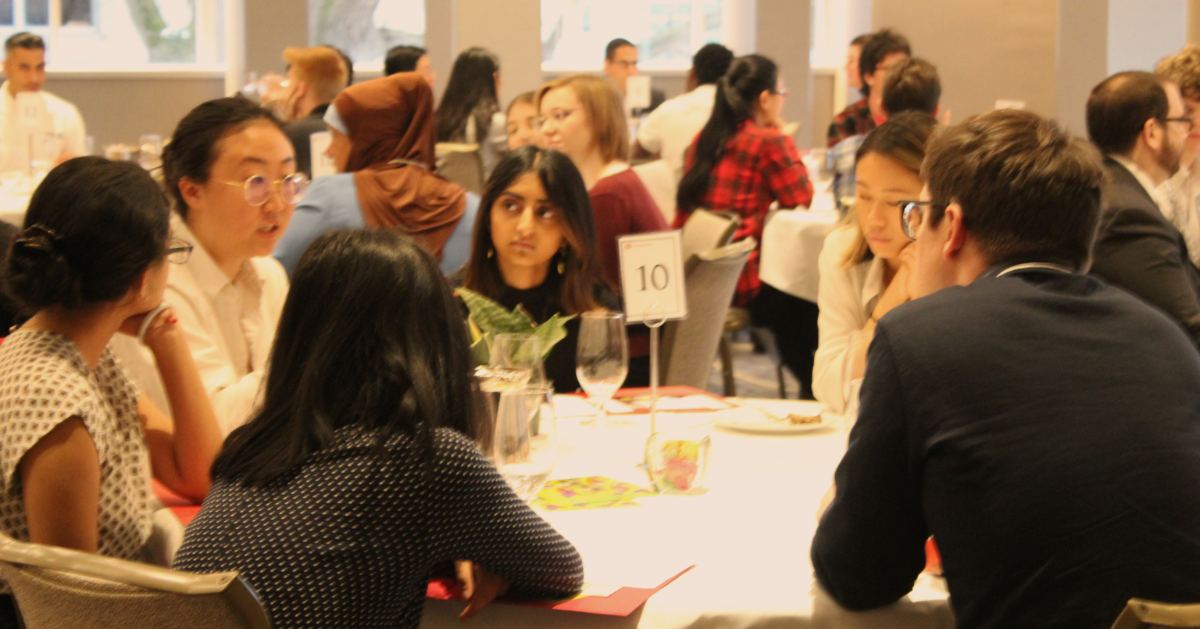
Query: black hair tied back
[{"x": 38, "y": 274}]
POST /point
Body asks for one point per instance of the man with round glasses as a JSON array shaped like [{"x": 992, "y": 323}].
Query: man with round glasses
[{"x": 1038, "y": 423}]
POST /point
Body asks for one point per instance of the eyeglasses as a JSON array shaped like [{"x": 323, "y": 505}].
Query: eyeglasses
[
  {"x": 1190, "y": 122},
  {"x": 911, "y": 215},
  {"x": 558, "y": 116},
  {"x": 258, "y": 189},
  {"x": 178, "y": 251}
]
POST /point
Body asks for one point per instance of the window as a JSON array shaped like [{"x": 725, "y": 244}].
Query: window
[
  {"x": 119, "y": 33},
  {"x": 366, "y": 29},
  {"x": 667, "y": 34}
]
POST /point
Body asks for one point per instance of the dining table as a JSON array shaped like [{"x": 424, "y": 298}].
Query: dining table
[
  {"x": 792, "y": 242},
  {"x": 13, "y": 203},
  {"x": 732, "y": 553}
]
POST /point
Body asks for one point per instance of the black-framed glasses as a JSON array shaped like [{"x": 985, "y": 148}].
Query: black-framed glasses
[
  {"x": 911, "y": 215},
  {"x": 178, "y": 251},
  {"x": 258, "y": 188},
  {"x": 1188, "y": 120}
]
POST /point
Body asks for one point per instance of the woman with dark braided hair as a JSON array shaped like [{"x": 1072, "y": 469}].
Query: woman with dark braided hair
[{"x": 741, "y": 163}]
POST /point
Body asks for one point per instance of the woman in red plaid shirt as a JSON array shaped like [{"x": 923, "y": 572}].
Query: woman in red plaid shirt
[{"x": 741, "y": 163}]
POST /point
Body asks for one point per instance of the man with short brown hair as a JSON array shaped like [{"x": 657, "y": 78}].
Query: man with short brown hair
[
  {"x": 880, "y": 51},
  {"x": 1137, "y": 120},
  {"x": 1038, "y": 423}
]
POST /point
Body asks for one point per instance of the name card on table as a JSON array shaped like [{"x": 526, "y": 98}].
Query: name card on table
[
  {"x": 637, "y": 92},
  {"x": 322, "y": 164},
  {"x": 652, "y": 276}
]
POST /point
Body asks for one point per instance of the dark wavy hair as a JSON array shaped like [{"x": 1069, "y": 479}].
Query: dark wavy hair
[
  {"x": 92, "y": 228},
  {"x": 193, "y": 146},
  {"x": 370, "y": 336},
  {"x": 566, "y": 191},
  {"x": 737, "y": 92},
  {"x": 471, "y": 92}
]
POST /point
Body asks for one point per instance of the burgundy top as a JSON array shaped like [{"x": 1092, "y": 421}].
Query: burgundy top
[{"x": 622, "y": 206}]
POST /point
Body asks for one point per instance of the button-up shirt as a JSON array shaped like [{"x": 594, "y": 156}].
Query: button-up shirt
[
  {"x": 229, "y": 324},
  {"x": 62, "y": 121}
]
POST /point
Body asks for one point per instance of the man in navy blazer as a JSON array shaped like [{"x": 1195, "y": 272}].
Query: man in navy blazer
[
  {"x": 1137, "y": 120},
  {"x": 1041, "y": 425}
]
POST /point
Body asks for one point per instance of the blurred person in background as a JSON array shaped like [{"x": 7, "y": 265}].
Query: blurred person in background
[
  {"x": 1177, "y": 196},
  {"x": 58, "y": 133},
  {"x": 880, "y": 51},
  {"x": 521, "y": 121},
  {"x": 469, "y": 112},
  {"x": 315, "y": 76},
  {"x": 410, "y": 59},
  {"x": 620, "y": 63}
]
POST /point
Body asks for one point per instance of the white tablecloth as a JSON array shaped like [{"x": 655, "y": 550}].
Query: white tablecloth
[
  {"x": 792, "y": 242},
  {"x": 748, "y": 537}
]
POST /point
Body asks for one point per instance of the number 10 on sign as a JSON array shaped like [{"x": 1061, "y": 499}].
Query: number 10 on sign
[{"x": 652, "y": 277}]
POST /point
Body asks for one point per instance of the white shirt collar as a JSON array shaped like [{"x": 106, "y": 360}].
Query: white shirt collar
[
  {"x": 209, "y": 277},
  {"x": 1138, "y": 173}
]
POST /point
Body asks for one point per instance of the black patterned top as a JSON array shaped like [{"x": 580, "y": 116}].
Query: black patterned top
[
  {"x": 45, "y": 380},
  {"x": 351, "y": 537}
]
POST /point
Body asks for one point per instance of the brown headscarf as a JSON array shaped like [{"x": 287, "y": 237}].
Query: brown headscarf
[{"x": 392, "y": 134}]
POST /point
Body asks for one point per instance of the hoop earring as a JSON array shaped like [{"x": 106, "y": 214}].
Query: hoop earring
[{"x": 491, "y": 252}]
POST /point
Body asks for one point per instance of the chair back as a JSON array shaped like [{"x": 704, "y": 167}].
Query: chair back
[
  {"x": 462, "y": 164},
  {"x": 1142, "y": 614},
  {"x": 59, "y": 588},
  {"x": 660, "y": 182},
  {"x": 705, "y": 231},
  {"x": 690, "y": 345}
]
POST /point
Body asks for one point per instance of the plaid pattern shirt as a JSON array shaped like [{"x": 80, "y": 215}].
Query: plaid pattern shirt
[
  {"x": 760, "y": 165},
  {"x": 853, "y": 120}
]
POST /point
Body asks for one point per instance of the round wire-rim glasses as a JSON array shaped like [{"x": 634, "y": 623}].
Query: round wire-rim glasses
[
  {"x": 911, "y": 215},
  {"x": 258, "y": 189}
]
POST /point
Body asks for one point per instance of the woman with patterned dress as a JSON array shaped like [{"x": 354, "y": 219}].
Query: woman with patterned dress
[
  {"x": 359, "y": 477},
  {"x": 79, "y": 440}
]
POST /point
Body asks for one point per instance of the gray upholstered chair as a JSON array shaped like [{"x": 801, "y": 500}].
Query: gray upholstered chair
[
  {"x": 705, "y": 231},
  {"x": 59, "y": 588},
  {"x": 690, "y": 345},
  {"x": 1140, "y": 614}
]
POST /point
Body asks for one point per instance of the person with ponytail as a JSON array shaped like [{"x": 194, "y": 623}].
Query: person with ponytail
[
  {"x": 741, "y": 163},
  {"x": 79, "y": 440},
  {"x": 470, "y": 108}
]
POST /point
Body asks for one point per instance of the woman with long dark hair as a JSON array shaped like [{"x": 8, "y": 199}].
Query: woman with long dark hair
[
  {"x": 535, "y": 246},
  {"x": 361, "y": 463},
  {"x": 469, "y": 111},
  {"x": 866, "y": 261},
  {"x": 741, "y": 163},
  {"x": 79, "y": 440}
]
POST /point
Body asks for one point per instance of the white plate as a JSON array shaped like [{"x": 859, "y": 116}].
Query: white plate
[{"x": 749, "y": 416}]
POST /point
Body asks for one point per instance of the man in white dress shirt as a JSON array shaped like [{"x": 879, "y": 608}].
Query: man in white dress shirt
[
  {"x": 669, "y": 130},
  {"x": 54, "y": 126}
]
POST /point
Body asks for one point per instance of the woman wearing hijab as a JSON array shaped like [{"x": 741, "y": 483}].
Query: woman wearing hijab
[{"x": 383, "y": 138}]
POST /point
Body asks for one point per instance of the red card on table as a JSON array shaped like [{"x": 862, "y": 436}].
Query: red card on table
[{"x": 623, "y": 602}]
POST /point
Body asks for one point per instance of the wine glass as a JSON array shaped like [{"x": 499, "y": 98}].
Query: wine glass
[
  {"x": 602, "y": 357},
  {"x": 525, "y": 446}
]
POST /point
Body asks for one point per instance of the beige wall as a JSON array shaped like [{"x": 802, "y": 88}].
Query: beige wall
[
  {"x": 984, "y": 51},
  {"x": 121, "y": 109}
]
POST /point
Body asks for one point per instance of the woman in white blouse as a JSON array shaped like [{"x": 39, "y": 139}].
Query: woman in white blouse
[
  {"x": 231, "y": 171},
  {"x": 865, "y": 263}
]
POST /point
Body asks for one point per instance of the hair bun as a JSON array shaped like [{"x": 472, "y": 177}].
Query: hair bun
[{"x": 37, "y": 275}]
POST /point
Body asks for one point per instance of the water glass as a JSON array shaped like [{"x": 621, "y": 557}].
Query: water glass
[
  {"x": 525, "y": 443},
  {"x": 601, "y": 357}
]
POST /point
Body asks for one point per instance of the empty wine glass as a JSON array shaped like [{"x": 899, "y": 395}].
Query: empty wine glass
[{"x": 602, "y": 357}]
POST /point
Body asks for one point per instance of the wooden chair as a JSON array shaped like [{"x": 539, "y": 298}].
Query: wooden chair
[
  {"x": 1141, "y": 614},
  {"x": 59, "y": 588}
]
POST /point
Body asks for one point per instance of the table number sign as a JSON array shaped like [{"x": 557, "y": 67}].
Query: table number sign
[
  {"x": 322, "y": 164},
  {"x": 652, "y": 277},
  {"x": 637, "y": 92}
]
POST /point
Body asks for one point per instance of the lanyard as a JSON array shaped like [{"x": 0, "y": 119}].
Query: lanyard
[{"x": 1057, "y": 268}]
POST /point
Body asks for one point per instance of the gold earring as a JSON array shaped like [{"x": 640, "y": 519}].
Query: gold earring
[
  {"x": 562, "y": 255},
  {"x": 560, "y": 267},
  {"x": 491, "y": 252}
]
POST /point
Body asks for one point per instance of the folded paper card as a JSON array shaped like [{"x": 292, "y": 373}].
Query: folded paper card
[{"x": 592, "y": 492}]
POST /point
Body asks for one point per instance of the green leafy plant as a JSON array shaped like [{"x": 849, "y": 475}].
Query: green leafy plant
[{"x": 488, "y": 318}]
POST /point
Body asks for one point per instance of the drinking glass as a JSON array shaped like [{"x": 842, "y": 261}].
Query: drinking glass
[
  {"x": 525, "y": 444},
  {"x": 150, "y": 151},
  {"x": 602, "y": 357},
  {"x": 677, "y": 461},
  {"x": 512, "y": 361}
]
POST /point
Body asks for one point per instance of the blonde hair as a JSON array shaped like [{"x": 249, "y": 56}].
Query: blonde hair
[
  {"x": 321, "y": 67},
  {"x": 599, "y": 98},
  {"x": 1182, "y": 69}
]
